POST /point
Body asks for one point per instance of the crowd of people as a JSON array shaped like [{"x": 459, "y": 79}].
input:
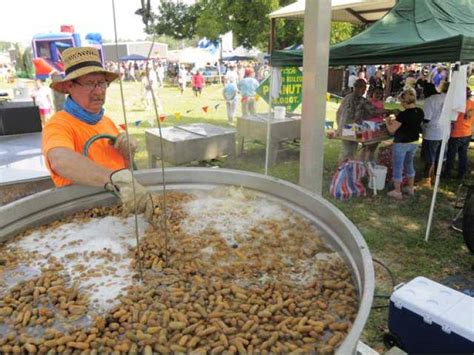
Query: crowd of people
[
  {"x": 86, "y": 94},
  {"x": 402, "y": 77},
  {"x": 428, "y": 83},
  {"x": 240, "y": 77}
]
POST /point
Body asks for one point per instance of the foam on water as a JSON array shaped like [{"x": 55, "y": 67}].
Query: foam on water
[
  {"x": 99, "y": 246},
  {"x": 230, "y": 215}
]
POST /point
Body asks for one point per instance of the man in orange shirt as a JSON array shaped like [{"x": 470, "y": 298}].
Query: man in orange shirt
[
  {"x": 66, "y": 133},
  {"x": 461, "y": 132}
]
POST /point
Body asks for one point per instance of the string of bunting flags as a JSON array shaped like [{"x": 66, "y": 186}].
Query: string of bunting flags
[{"x": 176, "y": 115}]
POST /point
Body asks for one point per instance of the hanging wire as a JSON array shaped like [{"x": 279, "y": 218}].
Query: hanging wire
[
  {"x": 130, "y": 157},
  {"x": 164, "y": 222}
]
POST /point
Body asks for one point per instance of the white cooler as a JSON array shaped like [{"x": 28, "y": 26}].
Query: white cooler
[{"x": 427, "y": 317}]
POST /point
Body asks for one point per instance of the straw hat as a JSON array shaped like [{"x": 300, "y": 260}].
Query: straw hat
[{"x": 78, "y": 62}]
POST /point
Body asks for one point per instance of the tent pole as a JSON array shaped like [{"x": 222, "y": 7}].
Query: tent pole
[
  {"x": 435, "y": 188},
  {"x": 317, "y": 21},
  {"x": 388, "y": 83},
  {"x": 448, "y": 113},
  {"x": 271, "y": 43},
  {"x": 269, "y": 121}
]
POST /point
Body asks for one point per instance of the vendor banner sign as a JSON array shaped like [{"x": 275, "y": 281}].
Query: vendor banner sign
[{"x": 291, "y": 88}]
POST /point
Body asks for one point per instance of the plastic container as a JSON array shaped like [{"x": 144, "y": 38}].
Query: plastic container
[
  {"x": 427, "y": 317},
  {"x": 279, "y": 112},
  {"x": 379, "y": 174}
]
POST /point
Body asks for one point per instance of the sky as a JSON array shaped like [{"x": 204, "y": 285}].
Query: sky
[{"x": 21, "y": 19}]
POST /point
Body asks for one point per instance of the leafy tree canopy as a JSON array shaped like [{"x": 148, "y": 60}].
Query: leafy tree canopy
[{"x": 247, "y": 19}]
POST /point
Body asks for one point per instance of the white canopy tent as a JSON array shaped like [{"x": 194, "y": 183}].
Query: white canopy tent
[
  {"x": 241, "y": 51},
  {"x": 353, "y": 11}
]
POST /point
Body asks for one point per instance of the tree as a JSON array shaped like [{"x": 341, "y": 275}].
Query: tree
[
  {"x": 342, "y": 31},
  {"x": 210, "y": 18},
  {"x": 174, "y": 19},
  {"x": 289, "y": 32},
  {"x": 247, "y": 19}
]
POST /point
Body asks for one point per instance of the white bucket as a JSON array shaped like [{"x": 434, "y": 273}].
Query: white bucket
[
  {"x": 279, "y": 112},
  {"x": 379, "y": 174}
]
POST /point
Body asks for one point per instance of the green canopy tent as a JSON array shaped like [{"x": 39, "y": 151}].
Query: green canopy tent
[{"x": 414, "y": 31}]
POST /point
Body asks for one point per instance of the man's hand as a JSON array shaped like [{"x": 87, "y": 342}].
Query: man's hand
[
  {"x": 121, "y": 183},
  {"x": 121, "y": 144}
]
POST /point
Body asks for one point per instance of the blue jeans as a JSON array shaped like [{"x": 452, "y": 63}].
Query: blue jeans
[
  {"x": 460, "y": 146},
  {"x": 402, "y": 157}
]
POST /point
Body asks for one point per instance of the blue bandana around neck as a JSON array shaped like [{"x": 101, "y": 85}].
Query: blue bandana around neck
[{"x": 71, "y": 107}]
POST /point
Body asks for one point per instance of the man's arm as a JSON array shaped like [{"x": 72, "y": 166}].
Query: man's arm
[{"x": 78, "y": 168}]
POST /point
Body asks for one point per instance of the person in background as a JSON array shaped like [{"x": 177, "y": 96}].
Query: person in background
[
  {"x": 406, "y": 128},
  {"x": 58, "y": 97},
  {"x": 439, "y": 77},
  {"x": 42, "y": 98},
  {"x": 67, "y": 132},
  {"x": 160, "y": 74},
  {"x": 146, "y": 87},
  {"x": 361, "y": 75},
  {"x": 421, "y": 83},
  {"x": 351, "y": 81},
  {"x": 263, "y": 72},
  {"x": 410, "y": 82},
  {"x": 371, "y": 70},
  {"x": 182, "y": 78},
  {"x": 368, "y": 152},
  {"x": 247, "y": 87},
  {"x": 231, "y": 75},
  {"x": 230, "y": 95},
  {"x": 460, "y": 139},
  {"x": 432, "y": 131},
  {"x": 197, "y": 82},
  {"x": 375, "y": 81},
  {"x": 240, "y": 71},
  {"x": 354, "y": 108}
]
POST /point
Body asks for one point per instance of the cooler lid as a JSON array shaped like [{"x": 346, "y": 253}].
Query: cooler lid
[{"x": 451, "y": 309}]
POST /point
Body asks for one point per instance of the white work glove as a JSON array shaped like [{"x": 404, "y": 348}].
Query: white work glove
[
  {"x": 121, "y": 183},
  {"x": 121, "y": 144}
]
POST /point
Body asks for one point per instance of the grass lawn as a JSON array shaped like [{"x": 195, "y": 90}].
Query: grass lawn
[{"x": 394, "y": 231}]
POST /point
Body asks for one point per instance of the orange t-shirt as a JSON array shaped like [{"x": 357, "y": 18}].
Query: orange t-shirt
[
  {"x": 64, "y": 130},
  {"x": 463, "y": 125}
]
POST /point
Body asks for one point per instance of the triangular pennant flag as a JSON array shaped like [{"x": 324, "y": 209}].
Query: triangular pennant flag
[
  {"x": 216, "y": 106},
  {"x": 162, "y": 118},
  {"x": 257, "y": 97},
  {"x": 137, "y": 123},
  {"x": 205, "y": 108},
  {"x": 123, "y": 126},
  {"x": 244, "y": 99},
  {"x": 177, "y": 115},
  {"x": 188, "y": 111}
]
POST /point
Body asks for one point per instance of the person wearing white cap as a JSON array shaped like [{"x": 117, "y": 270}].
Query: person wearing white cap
[{"x": 67, "y": 132}]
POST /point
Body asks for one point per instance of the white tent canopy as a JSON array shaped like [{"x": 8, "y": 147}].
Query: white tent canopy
[
  {"x": 191, "y": 55},
  {"x": 353, "y": 11},
  {"x": 241, "y": 51}
]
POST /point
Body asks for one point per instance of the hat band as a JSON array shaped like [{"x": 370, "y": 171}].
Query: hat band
[{"x": 82, "y": 65}]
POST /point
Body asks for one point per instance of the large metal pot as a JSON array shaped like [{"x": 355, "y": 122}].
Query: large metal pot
[{"x": 340, "y": 233}]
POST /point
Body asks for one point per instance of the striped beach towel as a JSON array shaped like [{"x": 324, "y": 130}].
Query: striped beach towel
[{"x": 346, "y": 182}]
